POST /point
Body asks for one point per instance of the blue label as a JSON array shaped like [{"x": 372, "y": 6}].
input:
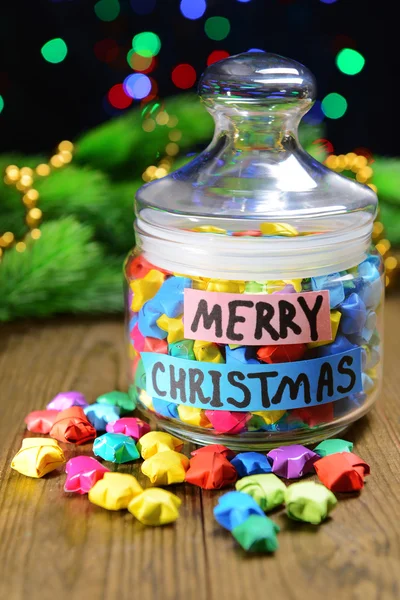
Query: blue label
[{"x": 253, "y": 387}]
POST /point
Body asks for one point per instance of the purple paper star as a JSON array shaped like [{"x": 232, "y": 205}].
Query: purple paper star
[{"x": 292, "y": 462}]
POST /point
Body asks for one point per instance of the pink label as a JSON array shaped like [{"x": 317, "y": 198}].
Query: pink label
[{"x": 257, "y": 319}]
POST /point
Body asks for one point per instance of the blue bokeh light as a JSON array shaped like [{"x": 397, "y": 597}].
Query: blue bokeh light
[
  {"x": 137, "y": 86},
  {"x": 328, "y": 1},
  {"x": 193, "y": 9},
  {"x": 315, "y": 116},
  {"x": 255, "y": 50},
  {"x": 243, "y": 1},
  {"x": 143, "y": 7}
]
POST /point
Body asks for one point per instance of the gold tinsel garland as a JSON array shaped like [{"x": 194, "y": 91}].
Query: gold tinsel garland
[
  {"x": 23, "y": 180},
  {"x": 361, "y": 167}
]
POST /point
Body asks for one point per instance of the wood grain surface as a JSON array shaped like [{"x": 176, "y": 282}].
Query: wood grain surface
[{"x": 58, "y": 546}]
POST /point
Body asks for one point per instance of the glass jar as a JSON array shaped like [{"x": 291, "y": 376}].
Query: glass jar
[{"x": 254, "y": 297}]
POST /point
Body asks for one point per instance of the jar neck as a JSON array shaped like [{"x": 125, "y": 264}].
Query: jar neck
[
  {"x": 272, "y": 132},
  {"x": 271, "y": 129}
]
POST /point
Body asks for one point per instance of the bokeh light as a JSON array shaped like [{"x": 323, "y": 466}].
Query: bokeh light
[
  {"x": 146, "y": 44},
  {"x": 183, "y": 76},
  {"x": 137, "y": 86},
  {"x": 315, "y": 115},
  {"x": 107, "y": 10},
  {"x": 143, "y": 7},
  {"x": 106, "y": 50},
  {"x": 1, "y": 103},
  {"x": 243, "y": 1},
  {"x": 144, "y": 64},
  {"x": 255, "y": 50},
  {"x": 328, "y": 1},
  {"x": 193, "y": 9},
  {"x": 153, "y": 92},
  {"x": 54, "y": 51},
  {"x": 217, "y": 28},
  {"x": 349, "y": 61},
  {"x": 118, "y": 98},
  {"x": 334, "y": 105},
  {"x": 217, "y": 55}
]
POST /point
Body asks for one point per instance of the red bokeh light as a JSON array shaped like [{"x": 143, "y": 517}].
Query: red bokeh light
[
  {"x": 324, "y": 144},
  {"x": 184, "y": 76},
  {"x": 216, "y": 55},
  {"x": 106, "y": 50},
  {"x": 365, "y": 152},
  {"x": 117, "y": 97},
  {"x": 343, "y": 41}
]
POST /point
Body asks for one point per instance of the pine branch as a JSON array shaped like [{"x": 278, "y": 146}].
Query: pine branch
[
  {"x": 123, "y": 149},
  {"x": 63, "y": 271}
]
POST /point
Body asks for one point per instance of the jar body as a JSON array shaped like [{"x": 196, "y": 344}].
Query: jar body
[{"x": 254, "y": 364}]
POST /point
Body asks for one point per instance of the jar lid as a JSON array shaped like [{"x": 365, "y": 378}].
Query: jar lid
[{"x": 254, "y": 170}]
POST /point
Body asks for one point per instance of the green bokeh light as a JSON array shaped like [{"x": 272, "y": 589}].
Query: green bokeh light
[
  {"x": 54, "y": 51},
  {"x": 350, "y": 61},
  {"x": 146, "y": 44},
  {"x": 107, "y": 10},
  {"x": 1, "y": 103},
  {"x": 217, "y": 28},
  {"x": 334, "y": 106}
]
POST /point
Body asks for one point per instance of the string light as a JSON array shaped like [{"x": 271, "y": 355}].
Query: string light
[
  {"x": 349, "y": 61},
  {"x": 183, "y": 76},
  {"x": 23, "y": 180},
  {"x": 216, "y": 55},
  {"x": 358, "y": 164},
  {"x": 161, "y": 119},
  {"x": 334, "y": 106},
  {"x": 146, "y": 44},
  {"x": 107, "y": 10},
  {"x": 217, "y": 28},
  {"x": 54, "y": 51},
  {"x": 193, "y": 9}
]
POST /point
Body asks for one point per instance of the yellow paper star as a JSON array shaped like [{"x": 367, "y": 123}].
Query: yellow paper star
[
  {"x": 207, "y": 352},
  {"x": 209, "y": 229},
  {"x": 37, "y": 457},
  {"x": 335, "y": 320},
  {"x": 270, "y": 416},
  {"x": 155, "y": 507},
  {"x": 174, "y": 327},
  {"x": 115, "y": 491},
  {"x": 225, "y": 285},
  {"x": 166, "y": 468},
  {"x": 283, "y": 229},
  {"x": 193, "y": 416},
  {"x": 146, "y": 288},
  {"x": 157, "y": 441}
]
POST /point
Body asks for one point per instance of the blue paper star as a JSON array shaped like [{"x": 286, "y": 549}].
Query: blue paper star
[
  {"x": 234, "y": 508},
  {"x": 170, "y": 296},
  {"x": 240, "y": 356},
  {"x": 251, "y": 463},
  {"x": 165, "y": 409},
  {"x": 354, "y": 314},
  {"x": 147, "y": 323},
  {"x": 333, "y": 284},
  {"x": 101, "y": 414}
]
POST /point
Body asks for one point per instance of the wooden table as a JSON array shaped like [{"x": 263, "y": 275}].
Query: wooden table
[{"x": 59, "y": 546}]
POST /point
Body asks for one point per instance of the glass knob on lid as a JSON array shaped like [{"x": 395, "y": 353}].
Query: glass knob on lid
[{"x": 266, "y": 81}]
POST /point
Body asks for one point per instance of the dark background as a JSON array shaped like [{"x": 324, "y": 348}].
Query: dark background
[{"x": 45, "y": 103}]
